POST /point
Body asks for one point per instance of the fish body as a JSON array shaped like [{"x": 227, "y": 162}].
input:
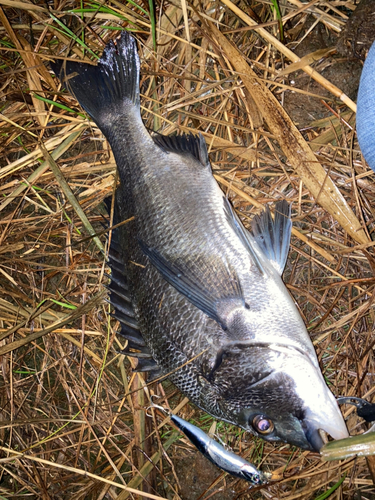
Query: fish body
[{"x": 199, "y": 297}]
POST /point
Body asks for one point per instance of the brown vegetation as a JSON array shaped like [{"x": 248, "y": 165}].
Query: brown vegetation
[{"x": 73, "y": 422}]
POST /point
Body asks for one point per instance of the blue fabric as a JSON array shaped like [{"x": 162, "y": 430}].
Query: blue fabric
[{"x": 366, "y": 109}]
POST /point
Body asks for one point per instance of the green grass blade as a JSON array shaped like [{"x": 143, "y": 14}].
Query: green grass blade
[
  {"x": 66, "y": 31},
  {"x": 153, "y": 22},
  {"x": 58, "y": 105},
  {"x": 279, "y": 18},
  {"x": 63, "y": 304},
  {"x": 331, "y": 490},
  {"x": 71, "y": 198}
]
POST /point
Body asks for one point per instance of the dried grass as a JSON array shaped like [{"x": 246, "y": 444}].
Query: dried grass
[{"x": 72, "y": 411}]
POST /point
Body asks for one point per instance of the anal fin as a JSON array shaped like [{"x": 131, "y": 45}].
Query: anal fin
[{"x": 121, "y": 301}]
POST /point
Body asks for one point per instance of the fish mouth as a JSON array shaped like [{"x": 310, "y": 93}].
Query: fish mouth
[{"x": 316, "y": 438}]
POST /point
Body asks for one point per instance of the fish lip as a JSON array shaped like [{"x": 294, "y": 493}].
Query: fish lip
[{"x": 314, "y": 438}]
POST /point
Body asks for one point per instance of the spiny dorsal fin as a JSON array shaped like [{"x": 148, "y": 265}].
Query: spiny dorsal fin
[
  {"x": 182, "y": 144},
  {"x": 273, "y": 235}
]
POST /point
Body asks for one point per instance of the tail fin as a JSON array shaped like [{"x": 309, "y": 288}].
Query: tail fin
[{"x": 108, "y": 87}]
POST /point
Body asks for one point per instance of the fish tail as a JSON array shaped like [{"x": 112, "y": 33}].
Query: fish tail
[{"x": 109, "y": 88}]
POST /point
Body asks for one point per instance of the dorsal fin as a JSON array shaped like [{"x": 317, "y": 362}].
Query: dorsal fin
[
  {"x": 273, "y": 235},
  {"x": 182, "y": 144}
]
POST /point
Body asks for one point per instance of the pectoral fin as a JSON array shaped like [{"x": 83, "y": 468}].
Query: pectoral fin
[
  {"x": 245, "y": 237},
  {"x": 215, "y": 296}
]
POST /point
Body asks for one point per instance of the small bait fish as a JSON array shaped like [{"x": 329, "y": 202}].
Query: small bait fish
[{"x": 216, "y": 453}]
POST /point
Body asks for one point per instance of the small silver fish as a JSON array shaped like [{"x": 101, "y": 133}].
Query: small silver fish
[
  {"x": 217, "y": 454},
  {"x": 199, "y": 298}
]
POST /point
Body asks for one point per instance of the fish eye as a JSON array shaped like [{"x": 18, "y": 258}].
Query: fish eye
[{"x": 262, "y": 424}]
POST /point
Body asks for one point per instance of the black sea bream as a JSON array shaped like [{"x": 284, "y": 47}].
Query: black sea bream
[{"x": 190, "y": 283}]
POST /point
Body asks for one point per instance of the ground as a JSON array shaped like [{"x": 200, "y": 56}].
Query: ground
[{"x": 72, "y": 411}]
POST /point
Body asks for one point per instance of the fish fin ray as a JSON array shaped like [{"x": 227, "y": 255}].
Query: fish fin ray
[
  {"x": 111, "y": 84},
  {"x": 214, "y": 301},
  {"x": 107, "y": 202},
  {"x": 120, "y": 297},
  {"x": 135, "y": 351},
  {"x": 273, "y": 235},
  {"x": 131, "y": 334},
  {"x": 245, "y": 237},
  {"x": 185, "y": 143},
  {"x": 146, "y": 365},
  {"x": 156, "y": 375}
]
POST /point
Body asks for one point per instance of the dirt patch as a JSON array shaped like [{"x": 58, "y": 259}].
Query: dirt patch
[
  {"x": 341, "y": 71},
  {"x": 359, "y": 33},
  {"x": 196, "y": 474}
]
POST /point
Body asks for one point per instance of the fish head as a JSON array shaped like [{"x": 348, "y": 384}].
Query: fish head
[{"x": 277, "y": 393}]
